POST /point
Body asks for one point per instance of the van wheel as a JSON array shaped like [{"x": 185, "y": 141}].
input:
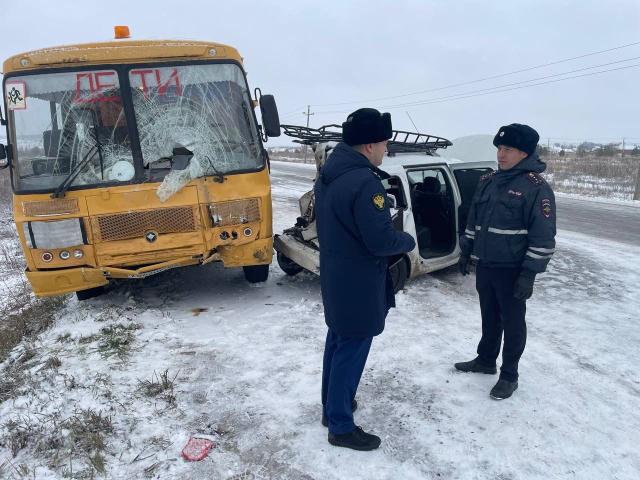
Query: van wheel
[
  {"x": 89, "y": 293},
  {"x": 256, "y": 273},
  {"x": 287, "y": 265},
  {"x": 398, "y": 273}
]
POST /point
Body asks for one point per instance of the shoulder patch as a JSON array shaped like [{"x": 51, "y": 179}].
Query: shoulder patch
[
  {"x": 487, "y": 176},
  {"x": 545, "y": 204},
  {"x": 378, "y": 201},
  {"x": 535, "y": 178}
]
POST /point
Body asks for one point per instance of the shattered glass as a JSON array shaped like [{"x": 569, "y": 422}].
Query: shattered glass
[
  {"x": 204, "y": 109},
  {"x": 69, "y": 119},
  {"x": 72, "y": 126}
]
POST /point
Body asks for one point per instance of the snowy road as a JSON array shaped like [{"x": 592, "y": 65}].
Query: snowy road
[
  {"x": 618, "y": 221},
  {"x": 248, "y": 365}
]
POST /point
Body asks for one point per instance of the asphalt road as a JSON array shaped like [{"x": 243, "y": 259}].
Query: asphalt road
[{"x": 613, "y": 221}]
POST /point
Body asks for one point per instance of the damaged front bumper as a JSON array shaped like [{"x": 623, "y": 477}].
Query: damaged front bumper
[
  {"x": 49, "y": 283},
  {"x": 299, "y": 252}
]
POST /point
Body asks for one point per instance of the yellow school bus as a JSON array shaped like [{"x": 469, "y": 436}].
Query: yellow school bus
[{"x": 128, "y": 158}]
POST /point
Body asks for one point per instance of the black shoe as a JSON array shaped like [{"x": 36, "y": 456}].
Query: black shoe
[
  {"x": 354, "y": 407},
  {"x": 357, "y": 439},
  {"x": 503, "y": 389},
  {"x": 475, "y": 367}
]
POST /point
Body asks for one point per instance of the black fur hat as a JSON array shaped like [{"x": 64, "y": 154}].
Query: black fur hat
[
  {"x": 366, "y": 125},
  {"x": 519, "y": 136}
]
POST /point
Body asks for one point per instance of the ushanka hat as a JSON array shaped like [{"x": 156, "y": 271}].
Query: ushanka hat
[
  {"x": 366, "y": 125},
  {"x": 519, "y": 136}
]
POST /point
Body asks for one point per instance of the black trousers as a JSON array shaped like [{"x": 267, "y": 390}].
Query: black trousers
[
  {"x": 343, "y": 363},
  {"x": 501, "y": 312}
]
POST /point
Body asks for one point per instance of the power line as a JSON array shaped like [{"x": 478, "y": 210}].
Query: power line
[
  {"x": 293, "y": 111},
  {"x": 480, "y": 79},
  {"x": 524, "y": 82},
  {"x": 498, "y": 89}
]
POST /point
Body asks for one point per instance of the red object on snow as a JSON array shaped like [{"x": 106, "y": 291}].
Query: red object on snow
[{"x": 196, "y": 449}]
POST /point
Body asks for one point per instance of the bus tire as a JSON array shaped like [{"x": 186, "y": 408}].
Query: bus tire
[
  {"x": 287, "y": 265},
  {"x": 256, "y": 273},
  {"x": 89, "y": 293}
]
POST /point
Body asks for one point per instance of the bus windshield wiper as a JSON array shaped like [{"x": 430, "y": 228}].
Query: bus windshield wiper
[
  {"x": 97, "y": 147},
  {"x": 69, "y": 179}
]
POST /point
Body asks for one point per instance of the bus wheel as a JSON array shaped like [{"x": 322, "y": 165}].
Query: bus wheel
[
  {"x": 89, "y": 293},
  {"x": 398, "y": 273},
  {"x": 256, "y": 273},
  {"x": 288, "y": 266}
]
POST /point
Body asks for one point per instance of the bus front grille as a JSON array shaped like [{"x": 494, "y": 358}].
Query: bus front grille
[{"x": 124, "y": 226}]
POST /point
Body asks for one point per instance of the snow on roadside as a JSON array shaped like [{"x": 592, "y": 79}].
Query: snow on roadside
[{"x": 248, "y": 363}]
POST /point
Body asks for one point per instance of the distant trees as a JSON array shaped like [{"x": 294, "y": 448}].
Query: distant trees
[{"x": 608, "y": 150}]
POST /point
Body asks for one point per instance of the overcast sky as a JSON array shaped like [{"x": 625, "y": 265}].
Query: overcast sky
[{"x": 363, "y": 52}]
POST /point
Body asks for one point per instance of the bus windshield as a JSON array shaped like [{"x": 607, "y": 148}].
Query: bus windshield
[{"x": 72, "y": 127}]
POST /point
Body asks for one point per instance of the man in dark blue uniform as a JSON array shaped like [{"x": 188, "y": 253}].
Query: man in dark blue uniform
[
  {"x": 356, "y": 238},
  {"x": 511, "y": 232}
]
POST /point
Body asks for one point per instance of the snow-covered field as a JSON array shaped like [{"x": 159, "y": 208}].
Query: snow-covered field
[{"x": 247, "y": 362}]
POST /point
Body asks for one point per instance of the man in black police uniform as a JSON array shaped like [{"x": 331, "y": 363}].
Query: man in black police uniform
[
  {"x": 356, "y": 238},
  {"x": 511, "y": 231}
]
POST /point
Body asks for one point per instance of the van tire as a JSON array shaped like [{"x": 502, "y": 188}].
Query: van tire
[
  {"x": 89, "y": 293},
  {"x": 256, "y": 273},
  {"x": 287, "y": 265},
  {"x": 399, "y": 273}
]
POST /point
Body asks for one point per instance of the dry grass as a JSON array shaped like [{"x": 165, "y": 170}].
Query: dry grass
[
  {"x": 160, "y": 386},
  {"x": 613, "y": 176},
  {"x": 117, "y": 339},
  {"x": 81, "y": 438},
  {"x": 25, "y": 317}
]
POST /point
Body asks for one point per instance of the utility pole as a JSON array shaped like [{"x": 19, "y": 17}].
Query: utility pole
[
  {"x": 623, "y": 146},
  {"x": 636, "y": 194},
  {"x": 308, "y": 114}
]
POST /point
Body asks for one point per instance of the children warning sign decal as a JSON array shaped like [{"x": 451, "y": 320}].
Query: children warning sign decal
[{"x": 15, "y": 93}]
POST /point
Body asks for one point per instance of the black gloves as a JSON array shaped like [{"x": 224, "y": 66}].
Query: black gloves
[
  {"x": 463, "y": 264},
  {"x": 523, "y": 289}
]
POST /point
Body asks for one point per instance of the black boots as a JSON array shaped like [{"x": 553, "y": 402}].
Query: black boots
[
  {"x": 503, "y": 389},
  {"x": 475, "y": 367},
  {"x": 357, "y": 439},
  {"x": 354, "y": 407}
]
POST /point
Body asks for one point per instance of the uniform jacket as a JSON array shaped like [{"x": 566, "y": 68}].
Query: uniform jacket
[
  {"x": 356, "y": 238},
  {"x": 512, "y": 219}
]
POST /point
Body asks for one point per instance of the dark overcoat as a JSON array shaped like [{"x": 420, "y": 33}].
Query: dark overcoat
[{"x": 356, "y": 238}]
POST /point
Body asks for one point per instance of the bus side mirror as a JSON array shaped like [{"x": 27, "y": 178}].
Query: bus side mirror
[
  {"x": 270, "y": 118},
  {"x": 2, "y": 120},
  {"x": 4, "y": 161}
]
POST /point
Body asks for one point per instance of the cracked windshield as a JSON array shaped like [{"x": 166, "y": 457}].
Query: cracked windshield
[
  {"x": 201, "y": 112},
  {"x": 192, "y": 121},
  {"x": 70, "y": 127}
]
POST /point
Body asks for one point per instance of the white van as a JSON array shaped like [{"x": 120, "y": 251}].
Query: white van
[{"x": 429, "y": 194}]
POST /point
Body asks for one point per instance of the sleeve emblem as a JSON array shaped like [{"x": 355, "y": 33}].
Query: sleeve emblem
[
  {"x": 378, "y": 201},
  {"x": 546, "y": 207}
]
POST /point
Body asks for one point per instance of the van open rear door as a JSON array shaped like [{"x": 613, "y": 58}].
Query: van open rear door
[{"x": 477, "y": 156}]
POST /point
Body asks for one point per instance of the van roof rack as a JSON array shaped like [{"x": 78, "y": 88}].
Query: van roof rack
[{"x": 400, "y": 142}]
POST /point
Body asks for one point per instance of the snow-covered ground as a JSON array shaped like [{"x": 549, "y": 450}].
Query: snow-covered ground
[{"x": 247, "y": 365}]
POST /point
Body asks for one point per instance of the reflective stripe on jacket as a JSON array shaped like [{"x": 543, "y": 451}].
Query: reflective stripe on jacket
[{"x": 512, "y": 219}]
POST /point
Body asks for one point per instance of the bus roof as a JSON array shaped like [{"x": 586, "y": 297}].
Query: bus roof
[{"x": 119, "y": 51}]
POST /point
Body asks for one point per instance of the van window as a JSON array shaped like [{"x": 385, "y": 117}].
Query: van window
[{"x": 467, "y": 180}]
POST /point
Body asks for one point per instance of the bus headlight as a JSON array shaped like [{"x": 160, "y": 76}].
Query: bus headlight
[
  {"x": 57, "y": 234},
  {"x": 234, "y": 212}
]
